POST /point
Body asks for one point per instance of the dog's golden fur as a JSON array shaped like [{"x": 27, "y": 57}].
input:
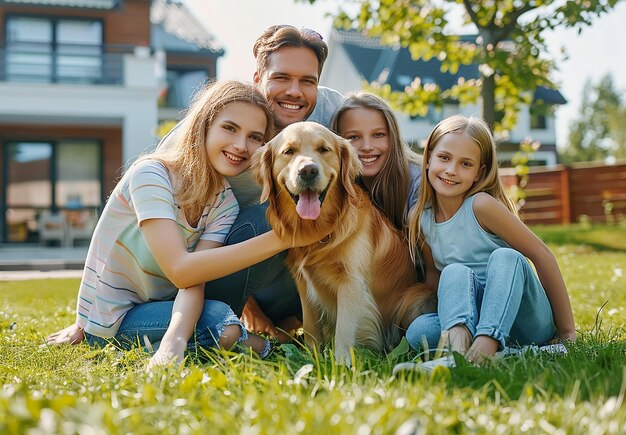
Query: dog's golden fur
[{"x": 358, "y": 284}]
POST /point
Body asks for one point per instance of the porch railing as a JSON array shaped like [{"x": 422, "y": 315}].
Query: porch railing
[{"x": 31, "y": 62}]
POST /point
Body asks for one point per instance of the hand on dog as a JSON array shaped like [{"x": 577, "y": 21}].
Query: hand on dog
[
  {"x": 255, "y": 320},
  {"x": 300, "y": 240}
]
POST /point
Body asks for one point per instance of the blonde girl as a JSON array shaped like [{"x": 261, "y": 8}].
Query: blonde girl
[
  {"x": 391, "y": 170},
  {"x": 476, "y": 252},
  {"x": 160, "y": 236}
]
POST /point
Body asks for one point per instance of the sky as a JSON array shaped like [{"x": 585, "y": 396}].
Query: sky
[{"x": 598, "y": 50}]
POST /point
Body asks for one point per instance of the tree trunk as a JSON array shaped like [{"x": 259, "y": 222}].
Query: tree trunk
[{"x": 488, "y": 95}]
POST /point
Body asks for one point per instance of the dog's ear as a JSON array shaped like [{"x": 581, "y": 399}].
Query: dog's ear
[
  {"x": 350, "y": 165},
  {"x": 261, "y": 164}
]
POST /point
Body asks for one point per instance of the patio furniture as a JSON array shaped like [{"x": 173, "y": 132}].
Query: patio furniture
[{"x": 52, "y": 227}]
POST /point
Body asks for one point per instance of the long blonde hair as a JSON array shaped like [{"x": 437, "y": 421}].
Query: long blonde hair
[
  {"x": 390, "y": 189},
  {"x": 478, "y": 131},
  {"x": 183, "y": 152}
]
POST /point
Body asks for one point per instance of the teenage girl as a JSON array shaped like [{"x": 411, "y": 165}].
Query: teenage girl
[
  {"x": 392, "y": 172},
  {"x": 160, "y": 236}
]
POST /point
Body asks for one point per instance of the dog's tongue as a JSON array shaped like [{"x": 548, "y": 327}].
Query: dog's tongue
[{"x": 308, "y": 206}]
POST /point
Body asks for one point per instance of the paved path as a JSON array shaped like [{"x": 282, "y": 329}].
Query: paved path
[
  {"x": 20, "y": 275},
  {"x": 38, "y": 262}
]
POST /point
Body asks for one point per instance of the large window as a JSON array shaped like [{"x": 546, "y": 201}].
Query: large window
[
  {"x": 40, "y": 49},
  {"x": 60, "y": 178}
]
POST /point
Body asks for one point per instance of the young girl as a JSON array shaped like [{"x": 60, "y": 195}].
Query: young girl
[
  {"x": 391, "y": 170},
  {"x": 475, "y": 249},
  {"x": 161, "y": 231}
]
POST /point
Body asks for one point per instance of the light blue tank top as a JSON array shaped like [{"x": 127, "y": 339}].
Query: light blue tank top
[{"x": 460, "y": 239}]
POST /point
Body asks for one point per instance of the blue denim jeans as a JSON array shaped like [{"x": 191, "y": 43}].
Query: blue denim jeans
[
  {"x": 269, "y": 281},
  {"x": 149, "y": 321},
  {"x": 511, "y": 307}
]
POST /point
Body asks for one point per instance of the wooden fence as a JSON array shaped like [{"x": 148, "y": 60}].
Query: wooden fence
[{"x": 563, "y": 194}]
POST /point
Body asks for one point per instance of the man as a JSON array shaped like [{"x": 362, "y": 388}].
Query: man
[{"x": 289, "y": 62}]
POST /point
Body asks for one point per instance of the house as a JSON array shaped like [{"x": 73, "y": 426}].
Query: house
[
  {"x": 354, "y": 58},
  {"x": 83, "y": 86}
]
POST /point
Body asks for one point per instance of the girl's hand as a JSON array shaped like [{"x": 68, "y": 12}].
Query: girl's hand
[
  {"x": 298, "y": 240},
  {"x": 73, "y": 334}
]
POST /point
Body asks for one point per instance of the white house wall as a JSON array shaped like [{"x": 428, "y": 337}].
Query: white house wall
[
  {"x": 134, "y": 105},
  {"x": 523, "y": 130},
  {"x": 339, "y": 72}
]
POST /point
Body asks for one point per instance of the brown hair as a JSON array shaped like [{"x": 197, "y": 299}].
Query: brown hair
[
  {"x": 276, "y": 37},
  {"x": 476, "y": 130},
  {"x": 390, "y": 189},
  {"x": 184, "y": 153}
]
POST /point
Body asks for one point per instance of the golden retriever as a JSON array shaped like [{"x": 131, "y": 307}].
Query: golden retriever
[{"x": 358, "y": 283}]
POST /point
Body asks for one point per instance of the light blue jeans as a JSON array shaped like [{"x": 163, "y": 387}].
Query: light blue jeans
[
  {"x": 151, "y": 319},
  {"x": 511, "y": 307},
  {"x": 269, "y": 281}
]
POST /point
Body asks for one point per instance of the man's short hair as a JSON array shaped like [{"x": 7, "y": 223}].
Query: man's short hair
[{"x": 279, "y": 36}]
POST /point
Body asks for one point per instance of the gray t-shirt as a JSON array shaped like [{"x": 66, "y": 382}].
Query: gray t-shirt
[{"x": 415, "y": 171}]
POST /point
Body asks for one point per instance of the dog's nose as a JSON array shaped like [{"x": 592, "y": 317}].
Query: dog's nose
[{"x": 308, "y": 172}]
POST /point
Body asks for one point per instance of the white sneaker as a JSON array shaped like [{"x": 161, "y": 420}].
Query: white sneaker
[
  {"x": 427, "y": 366},
  {"x": 556, "y": 349}
]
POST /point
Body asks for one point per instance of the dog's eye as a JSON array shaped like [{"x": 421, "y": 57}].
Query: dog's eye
[
  {"x": 288, "y": 151},
  {"x": 324, "y": 150}
]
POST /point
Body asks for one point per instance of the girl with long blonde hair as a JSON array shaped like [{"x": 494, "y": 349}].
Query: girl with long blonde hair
[
  {"x": 160, "y": 236},
  {"x": 476, "y": 251}
]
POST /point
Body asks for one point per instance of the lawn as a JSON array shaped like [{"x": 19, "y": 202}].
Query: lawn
[{"x": 84, "y": 390}]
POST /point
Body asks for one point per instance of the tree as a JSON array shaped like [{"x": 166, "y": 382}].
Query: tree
[
  {"x": 599, "y": 131},
  {"x": 509, "y": 48}
]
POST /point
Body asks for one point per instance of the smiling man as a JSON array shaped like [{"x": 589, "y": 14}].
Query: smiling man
[{"x": 289, "y": 63}]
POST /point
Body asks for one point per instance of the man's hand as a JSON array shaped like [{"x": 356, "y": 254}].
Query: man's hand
[
  {"x": 255, "y": 320},
  {"x": 71, "y": 335}
]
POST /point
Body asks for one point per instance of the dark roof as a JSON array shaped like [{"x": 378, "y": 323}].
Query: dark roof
[
  {"x": 394, "y": 66},
  {"x": 91, "y": 4},
  {"x": 174, "y": 28}
]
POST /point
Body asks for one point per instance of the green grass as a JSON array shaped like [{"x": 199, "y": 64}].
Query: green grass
[{"x": 83, "y": 390}]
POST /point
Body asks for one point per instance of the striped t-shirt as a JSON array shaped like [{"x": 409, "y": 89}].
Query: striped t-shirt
[{"x": 120, "y": 270}]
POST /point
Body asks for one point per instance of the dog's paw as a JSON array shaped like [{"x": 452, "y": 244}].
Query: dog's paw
[{"x": 343, "y": 356}]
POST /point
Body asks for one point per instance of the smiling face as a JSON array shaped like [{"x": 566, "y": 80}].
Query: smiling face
[
  {"x": 290, "y": 84},
  {"x": 235, "y": 134},
  {"x": 367, "y": 131},
  {"x": 454, "y": 166}
]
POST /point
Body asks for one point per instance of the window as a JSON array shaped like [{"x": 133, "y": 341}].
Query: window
[
  {"x": 538, "y": 121},
  {"x": 53, "y": 50},
  {"x": 49, "y": 178}
]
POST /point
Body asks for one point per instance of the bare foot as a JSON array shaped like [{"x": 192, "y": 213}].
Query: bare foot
[
  {"x": 169, "y": 352},
  {"x": 255, "y": 320},
  {"x": 73, "y": 334},
  {"x": 257, "y": 344},
  {"x": 287, "y": 328},
  {"x": 459, "y": 339},
  {"x": 482, "y": 349}
]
